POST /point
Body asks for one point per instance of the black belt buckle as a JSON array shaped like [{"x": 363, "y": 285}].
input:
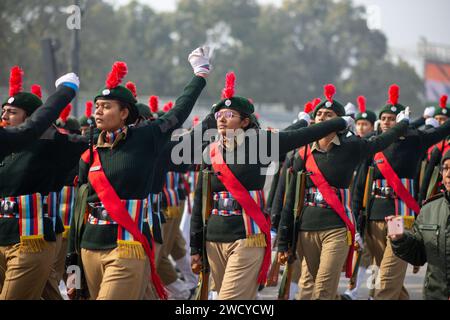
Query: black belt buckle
[
  {"x": 386, "y": 192},
  {"x": 228, "y": 204},
  {"x": 100, "y": 212},
  {"x": 8, "y": 207},
  {"x": 316, "y": 197}
]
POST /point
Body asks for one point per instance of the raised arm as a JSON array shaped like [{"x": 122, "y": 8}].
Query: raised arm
[
  {"x": 289, "y": 140},
  {"x": 378, "y": 143},
  {"x": 14, "y": 139},
  {"x": 175, "y": 117},
  {"x": 434, "y": 135}
]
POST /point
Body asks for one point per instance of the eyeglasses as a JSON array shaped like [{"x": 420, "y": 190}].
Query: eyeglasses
[
  {"x": 226, "y": 114},
  {"x": 445, "y": 168}
]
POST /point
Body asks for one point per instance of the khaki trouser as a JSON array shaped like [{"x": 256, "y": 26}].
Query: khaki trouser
[
  {"x": 60, "y": 266},
  {"x": 179, "y": 245},
  {"x": 150, "y": 291},
  {"x": 325, "y": 254},
  {"x": 112, "y": 278},
  {"x": 171, "y": 235},
  {"x": 305, "y": 283},
  {"x": 392, "y": 269},
  {"x": 23, "y": 275},
  {"x": 51, "y": 289},
  {"x": 235, "y": 269}
]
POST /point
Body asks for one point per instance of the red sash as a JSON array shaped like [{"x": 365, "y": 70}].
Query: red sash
[
  {"x": 329, "y": 195},
  {"x": 119, "y": 213},
  {"x": 394, "y": 182},
  {"x": 242, "y": 196}
]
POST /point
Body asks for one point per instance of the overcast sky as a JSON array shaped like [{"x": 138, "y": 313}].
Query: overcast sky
[{"x": 403, "y": 21}]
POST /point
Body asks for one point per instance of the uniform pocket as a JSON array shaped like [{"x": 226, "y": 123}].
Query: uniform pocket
[{"x": 430, "y": 234}]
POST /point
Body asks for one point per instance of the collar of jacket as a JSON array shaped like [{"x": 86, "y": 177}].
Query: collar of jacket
[
  {"x": 316, "y": 146},
  {"x": 230, "y": 144},
  {"x": 108, "y": 139}
]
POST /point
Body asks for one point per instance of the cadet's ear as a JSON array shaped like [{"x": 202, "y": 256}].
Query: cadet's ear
[{"x": 245, "y": 123}]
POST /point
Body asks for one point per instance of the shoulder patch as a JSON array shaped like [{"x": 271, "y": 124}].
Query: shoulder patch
[{"x": 435, "y": 197}]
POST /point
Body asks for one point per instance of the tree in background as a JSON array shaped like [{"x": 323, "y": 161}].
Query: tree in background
[{"x": 280, "y": 54}]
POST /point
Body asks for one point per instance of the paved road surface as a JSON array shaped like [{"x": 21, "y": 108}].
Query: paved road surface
[{"x": 413, "y": 283}]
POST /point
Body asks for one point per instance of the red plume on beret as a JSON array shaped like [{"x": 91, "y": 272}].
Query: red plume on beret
[
  {"x": 228, "y": 91},
  {"x": 315, "y": 102},
  {"x": 118, "y": 72},
  {"x": 15, "y": 81},
  {"x": 168, "y": 106},
  {"x": 65, "y": 113},
  {"x": 88, "y": 110},
  {"x": 132, "y": 87},
  {"x": 36, "y": 89},
  {"x": 361, "y": 104},
  {"x": 308, "y": 107},
  {"x": 195, "y": 121},
  {"x": 329, "y": 91},
  {"x": 153, "y": 103},
  {"x": 443, "y": 101},
  {"x": 394, "y": 93}
]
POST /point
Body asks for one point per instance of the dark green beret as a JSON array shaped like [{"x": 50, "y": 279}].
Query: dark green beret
[
  {"x": 336, "y": 106},
  {"x": 445, "y": 157},
  {"x": 71, "y": 124},
  {"x": 392, "y": 109},
  {"x": 368, "y": 115},
  {"x": 442, "y": 112},
  {"x": 144, "y": 110},
  {"x": 24, "y": 100},
  {"x": 240, "y": 104},
  {"x": 122, "y": 94}
]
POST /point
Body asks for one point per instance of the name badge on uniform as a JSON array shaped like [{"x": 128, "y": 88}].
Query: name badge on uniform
[{"x": 95, "y": 168}]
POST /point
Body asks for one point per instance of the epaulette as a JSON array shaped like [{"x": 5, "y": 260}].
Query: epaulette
[{"x": 435, "y": 197}]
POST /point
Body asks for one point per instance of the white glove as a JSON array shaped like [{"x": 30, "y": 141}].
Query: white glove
[
  {"x": 403, "y": 115},
  {"x": 69, "y": 79},
  {"x": 350, "y": 109},
  {"x": 429, "y": 112},
  {"x": 304, "y": 116},
  {"x": 199, "y": 60},
  {"x": 359, "y": 240},
  {"x": 376, "y": 125},
  {"x": 432, "y": 122},
  {"x": 350, "y": 123}
]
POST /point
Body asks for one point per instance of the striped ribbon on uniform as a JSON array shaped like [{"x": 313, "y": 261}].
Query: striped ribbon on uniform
[
  {"x": 136, "y": 209},
  {"x": 401, "y": 208},
  {"x": 31, "y": 215},
  {"x": 343, "y": 195},
  {"x": 66, "y": 204},
  {"x": 51, "y": 201},
  {"x": 170, "y": 189},
  {"x": 192, "y": 177},
  {"x": 251, "y": 228}
]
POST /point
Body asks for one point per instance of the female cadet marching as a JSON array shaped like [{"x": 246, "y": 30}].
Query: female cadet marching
[
  {"x": 116, "y": 249},
  {"x": 27, "y": 236},
  {"x": 326, "y": 225},
  {"x": 238, "y": 232}
]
